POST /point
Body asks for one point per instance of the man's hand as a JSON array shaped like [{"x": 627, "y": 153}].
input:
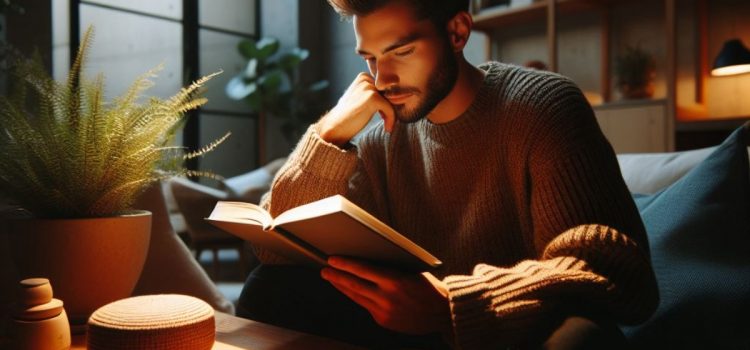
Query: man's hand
[
  {"x": 403, "y": 302},
  {"x": 354, "y": 110}
]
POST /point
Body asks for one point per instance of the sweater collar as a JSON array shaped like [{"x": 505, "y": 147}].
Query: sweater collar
[{"x": 470, "y": 122}]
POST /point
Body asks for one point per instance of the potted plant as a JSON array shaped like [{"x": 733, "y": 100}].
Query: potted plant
[
  {"x": 270, "y": 83},
  {"x": 635, "y": 71},
  {"x": 75, "y": 164}
]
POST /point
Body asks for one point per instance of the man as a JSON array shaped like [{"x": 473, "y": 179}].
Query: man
[{"x": 499, "y": 171}]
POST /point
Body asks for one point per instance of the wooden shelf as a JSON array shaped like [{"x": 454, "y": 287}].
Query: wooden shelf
[
  {"x": 629, "y": 103},
  {"x": 655, "y": 121},
  {"x": 497, "y": 17}
]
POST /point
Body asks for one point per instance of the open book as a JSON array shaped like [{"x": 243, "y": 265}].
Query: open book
[{"x": 310, "y": 233}]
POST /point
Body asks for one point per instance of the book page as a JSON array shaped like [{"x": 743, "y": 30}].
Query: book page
[
  {"x": 241, "y": 212},
  {"x": 270, "y": 240},
  {"x": 335, "y": 226},
  {"x": 303, "y": 212}
]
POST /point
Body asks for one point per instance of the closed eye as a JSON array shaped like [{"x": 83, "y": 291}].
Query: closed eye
[{"x": 406, "y": 52}]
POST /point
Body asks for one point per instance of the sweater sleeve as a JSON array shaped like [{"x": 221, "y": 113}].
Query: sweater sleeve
[
  {"x": 591, "y": 250},
  {"x": 497, "y": 307},
  {"x": 314, "y": 170}
]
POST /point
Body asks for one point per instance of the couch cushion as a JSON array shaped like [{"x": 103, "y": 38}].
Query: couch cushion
[
  {"x": 251, "y": 186},
  {"x": 651, "y": 172},
  {"x": 699, "y": 232}
]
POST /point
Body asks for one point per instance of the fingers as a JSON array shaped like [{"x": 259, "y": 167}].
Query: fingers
[
  {"x": 354, "y": 110},
  {"x": 383, "y": 106},
  {"x": 364, "y": 77},
  {"x": 351, "y": 285},
  {"x": 388, "y": 115},
  {"x": 356, "y": 296},
  {"x": 374, "y": 274}
]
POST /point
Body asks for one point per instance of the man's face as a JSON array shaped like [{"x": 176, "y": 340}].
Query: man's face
[{"x": 411, "y": 61}]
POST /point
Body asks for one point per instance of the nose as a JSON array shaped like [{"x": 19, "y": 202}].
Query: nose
[{"x": 385, "y": 76}]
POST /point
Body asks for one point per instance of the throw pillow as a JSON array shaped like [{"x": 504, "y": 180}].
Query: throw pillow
[{"x": 699, "y": 233}]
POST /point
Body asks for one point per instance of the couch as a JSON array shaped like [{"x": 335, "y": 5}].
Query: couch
[{"x": 696, "y": 209}]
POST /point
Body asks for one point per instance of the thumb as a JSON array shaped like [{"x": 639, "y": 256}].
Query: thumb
[{"x": 388, "y": 115}]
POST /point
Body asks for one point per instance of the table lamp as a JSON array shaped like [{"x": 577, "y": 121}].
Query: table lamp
[{"x": 734, "y": 58}]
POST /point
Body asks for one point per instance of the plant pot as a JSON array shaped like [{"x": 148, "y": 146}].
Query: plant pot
[
  {"x": 637, "y": 91},
  {"x": 90, "y": 262}
]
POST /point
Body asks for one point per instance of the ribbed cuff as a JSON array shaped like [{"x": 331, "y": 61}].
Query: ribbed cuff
[
  {"x": 506, "y": 306},
  {"x": 324, "y": 159},
  {"x": 471, "y": 313}
]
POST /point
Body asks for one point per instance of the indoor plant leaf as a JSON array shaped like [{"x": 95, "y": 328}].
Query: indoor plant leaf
[
  {"x": 66, "y": 152},
  {"x": 247, "y": 48},
  {"x": 238, "y": 89},
  {"x": 266, "y": 47},
  {"x": 292, "y": 59}
]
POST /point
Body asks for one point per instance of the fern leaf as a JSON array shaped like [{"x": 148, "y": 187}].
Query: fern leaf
[{"x": 208, "y": 148}]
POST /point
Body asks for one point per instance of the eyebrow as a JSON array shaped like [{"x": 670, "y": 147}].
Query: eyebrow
[{"x": 400, "y": 42}]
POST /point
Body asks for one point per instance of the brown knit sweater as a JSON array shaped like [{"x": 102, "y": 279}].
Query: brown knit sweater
[{"x": 521, "y": 197}]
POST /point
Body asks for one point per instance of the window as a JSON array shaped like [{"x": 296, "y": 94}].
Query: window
[{"x": 191, "y": 38}]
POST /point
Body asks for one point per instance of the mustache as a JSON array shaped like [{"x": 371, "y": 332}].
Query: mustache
[{"x": 399, "y": 90}]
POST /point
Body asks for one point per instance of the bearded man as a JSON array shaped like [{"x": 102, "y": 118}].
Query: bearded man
[{"x": 501, "y": 172}]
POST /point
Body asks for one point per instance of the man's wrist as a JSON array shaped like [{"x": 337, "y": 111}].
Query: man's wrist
[{"x": 328, "y": 136}]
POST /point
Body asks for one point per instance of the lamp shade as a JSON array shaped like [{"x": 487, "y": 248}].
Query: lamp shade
[{"x": 734, "y": 58}]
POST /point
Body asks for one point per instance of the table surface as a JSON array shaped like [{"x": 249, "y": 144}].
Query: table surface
[{"x": 234, "y": 333}]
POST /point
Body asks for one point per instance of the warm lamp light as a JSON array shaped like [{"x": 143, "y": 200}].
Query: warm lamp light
[{"x": 734, "y": 58}]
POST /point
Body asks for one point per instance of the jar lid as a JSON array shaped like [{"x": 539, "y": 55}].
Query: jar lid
[{"x": 36, "y": 302}]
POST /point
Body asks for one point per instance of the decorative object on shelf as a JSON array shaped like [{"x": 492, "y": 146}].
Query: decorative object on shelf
[
  {"x": 270, "y": 83},
  {"x": 74, "y": 165},
  {"x": 480, "y": 5},
  {"x": 733, "y": 59},
  {"x": 39, "y": 320},
  {"x": 635, "y": 70},
  {"x": 165, "y": 321}
]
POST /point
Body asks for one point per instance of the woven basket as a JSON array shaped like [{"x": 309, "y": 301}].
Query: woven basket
[{"x": 164, "y": 322}]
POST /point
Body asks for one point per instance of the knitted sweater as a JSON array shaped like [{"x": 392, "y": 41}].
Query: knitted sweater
[{"x": 521, "y": 197}]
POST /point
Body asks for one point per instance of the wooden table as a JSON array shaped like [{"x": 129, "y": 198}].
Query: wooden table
[{"x": 233, "y": 333}]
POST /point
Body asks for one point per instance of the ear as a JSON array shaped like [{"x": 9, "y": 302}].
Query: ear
[{"x": 459, "y": 29}]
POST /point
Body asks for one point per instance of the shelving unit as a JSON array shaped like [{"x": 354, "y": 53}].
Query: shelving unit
[{"x": 622, "y": 122}]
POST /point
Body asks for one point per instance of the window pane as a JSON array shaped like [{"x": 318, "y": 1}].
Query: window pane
[
  {"x": 219, "y": 52},
  {"x": 126, "y": 45},
  {"x": 234, "y": 15},
  {"x": 237, "y": 154},
  {"x": 166, "y": 8},
  {"x": 60, "y": 39}
]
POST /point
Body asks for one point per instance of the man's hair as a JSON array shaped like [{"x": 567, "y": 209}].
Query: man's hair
[{"x": 437, "y": 11}]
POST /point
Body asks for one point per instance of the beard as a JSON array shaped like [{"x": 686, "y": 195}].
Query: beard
[{"x": 442, "y": 79}]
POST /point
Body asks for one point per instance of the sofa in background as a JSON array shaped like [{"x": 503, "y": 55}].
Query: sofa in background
[
  {"x": 193, "y": 202},
  {"x": 696, "y": 209}
]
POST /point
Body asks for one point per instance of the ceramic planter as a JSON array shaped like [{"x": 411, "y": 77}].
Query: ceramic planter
[{"x": 89, "y": 262}]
